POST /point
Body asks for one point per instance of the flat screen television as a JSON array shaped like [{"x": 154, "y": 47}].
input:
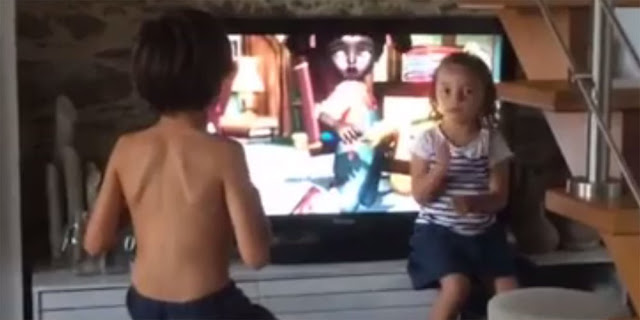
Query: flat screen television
[{"x": 334, "y": 194}]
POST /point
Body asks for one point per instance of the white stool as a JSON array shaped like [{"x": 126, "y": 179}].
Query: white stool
[{"x": 553, "y": 304}]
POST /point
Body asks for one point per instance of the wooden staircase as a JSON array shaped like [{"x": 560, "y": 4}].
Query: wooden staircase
[
  {"x": 547, "y": 87},
  {"x": 561, "y": 96}
]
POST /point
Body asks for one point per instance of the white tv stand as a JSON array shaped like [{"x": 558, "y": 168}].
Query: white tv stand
[
  {"x": 369, "y": 290},
  {"x": 365, "y": 290}
]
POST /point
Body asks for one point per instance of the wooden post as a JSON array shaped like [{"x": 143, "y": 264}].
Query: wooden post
[{"x": 11, "y": 290}]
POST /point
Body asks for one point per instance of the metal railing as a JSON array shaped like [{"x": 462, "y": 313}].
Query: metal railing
[{"x": 591, "y": 85}]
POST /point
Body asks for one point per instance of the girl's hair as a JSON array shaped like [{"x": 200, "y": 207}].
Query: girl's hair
[{"x": 479, "y": 69}]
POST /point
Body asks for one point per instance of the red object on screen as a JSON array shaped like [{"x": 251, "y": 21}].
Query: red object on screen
[
  {"x": 420, "y": 63},
  {"x": 308, "y": 103}
]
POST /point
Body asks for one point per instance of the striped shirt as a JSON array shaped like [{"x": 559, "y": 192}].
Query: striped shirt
[{"x": 468, "y": 174}]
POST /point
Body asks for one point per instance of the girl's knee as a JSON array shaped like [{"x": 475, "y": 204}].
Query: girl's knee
[
  {"x": 504, "y": 284},
  {"x": 455, "y": 285}
]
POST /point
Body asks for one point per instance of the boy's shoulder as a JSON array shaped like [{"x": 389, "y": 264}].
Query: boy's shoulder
[
  {"x": 224, "y": 147},
  {"x": 223, "y": 142},
  {"x": 216, "y": 145}
]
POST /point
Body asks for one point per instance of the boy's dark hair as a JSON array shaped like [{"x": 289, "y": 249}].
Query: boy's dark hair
[
  {"x": 180, "y": 60},
  {"x": 477, "y": 67}
]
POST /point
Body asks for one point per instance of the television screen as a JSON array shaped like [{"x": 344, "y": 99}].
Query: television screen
[{"x": 327, "y": 120}]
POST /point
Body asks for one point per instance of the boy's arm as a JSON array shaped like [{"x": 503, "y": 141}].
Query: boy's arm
[
  {"x": 250, "y": 224},
  {"x": 108, "y": 211}
]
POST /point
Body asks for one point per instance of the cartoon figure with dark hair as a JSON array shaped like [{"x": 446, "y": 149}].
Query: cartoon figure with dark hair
[{"x": 340, "y": 67}]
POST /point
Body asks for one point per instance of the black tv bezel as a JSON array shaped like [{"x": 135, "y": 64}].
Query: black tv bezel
[{"x": 441, "y": 24}]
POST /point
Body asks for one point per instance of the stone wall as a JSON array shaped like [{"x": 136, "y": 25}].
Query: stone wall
[{"x": 79, "y": 49}]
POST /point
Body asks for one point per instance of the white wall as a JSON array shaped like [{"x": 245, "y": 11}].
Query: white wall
[
  {"x": 630, "y": 19},
  {"x": 10, "y": 246}
]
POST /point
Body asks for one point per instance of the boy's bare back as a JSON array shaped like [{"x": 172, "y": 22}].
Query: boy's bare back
[{"x": 186, "y": 192}]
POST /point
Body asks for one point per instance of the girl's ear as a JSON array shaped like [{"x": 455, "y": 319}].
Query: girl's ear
[{"x": 433, "y": 113}]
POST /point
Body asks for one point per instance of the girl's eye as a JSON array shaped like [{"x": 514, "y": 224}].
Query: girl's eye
[
  {"x": 467, "y": 91},
  {"x": 447, "y": 90}
]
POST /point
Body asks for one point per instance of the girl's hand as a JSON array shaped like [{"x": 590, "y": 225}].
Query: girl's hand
[
  {"x": 478, "y": 204},
  {"x": 462, "y": 204}
]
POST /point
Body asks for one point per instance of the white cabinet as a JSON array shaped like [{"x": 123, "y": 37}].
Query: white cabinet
[
  {"x": 374, "y": 290},
  {"x": 82, "y": 298},
  {"x": 369, "y": 314},
  {"x": 84, "y": 314}
]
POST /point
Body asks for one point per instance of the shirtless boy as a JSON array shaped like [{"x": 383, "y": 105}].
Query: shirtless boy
[{"x": 187, "y": 193}]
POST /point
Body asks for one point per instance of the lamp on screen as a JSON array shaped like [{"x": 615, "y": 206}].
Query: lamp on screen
[{"x": 247, "y": 82}]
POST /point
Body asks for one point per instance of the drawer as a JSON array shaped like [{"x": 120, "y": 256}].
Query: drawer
[
  {"x": 348, "y": 301},
  {"x": 84, "y": 314},
  {"x": 370, "y": 314},
  {"x": 84, "y": 298},
  {"x": 106, "y": 297},
  {"x": 334, "y": 285},
  {"x": 250, "y": 289}
]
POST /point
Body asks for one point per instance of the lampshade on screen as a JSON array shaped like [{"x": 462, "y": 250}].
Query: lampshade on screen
[{"x": 247, "y": 79}]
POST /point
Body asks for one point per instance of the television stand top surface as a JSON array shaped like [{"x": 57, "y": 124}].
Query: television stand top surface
[{"x": 47, "y": 277}]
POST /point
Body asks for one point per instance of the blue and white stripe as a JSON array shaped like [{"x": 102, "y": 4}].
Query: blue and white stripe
[{"x": 465, "y": 176}]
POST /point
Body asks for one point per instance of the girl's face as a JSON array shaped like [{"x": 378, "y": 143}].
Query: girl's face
[{"x": 459, "y": 93}]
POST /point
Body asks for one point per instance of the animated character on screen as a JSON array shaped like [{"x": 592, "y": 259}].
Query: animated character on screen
[{"x": 340, "y": 68}]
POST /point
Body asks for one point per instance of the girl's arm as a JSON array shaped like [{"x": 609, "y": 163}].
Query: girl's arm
[
  {"x": 108, "y": 212},
  {"x": 496, "y": 199},
  {"x": 498, "y": 194},
  {"x": 427, "y": 178}
]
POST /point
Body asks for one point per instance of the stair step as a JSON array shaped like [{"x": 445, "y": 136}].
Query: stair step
[
  {"x": 596, "y": 255},
  {"x": 562, "y": 96},
  {"x": 615, "y": 217},
  {"x": 624, "y": 251},
  {"x": 500, "y": 4}
]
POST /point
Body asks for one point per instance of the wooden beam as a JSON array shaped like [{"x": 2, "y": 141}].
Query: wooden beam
[
  {"x": 561, "y": 96},
  {"x": 625, "y": 251},
  {"x": 538, "y": 52},
  {"x": 630, "y": 144},
  {"x": 620, "y": 217},
  {"x": 500, "y": 4}
]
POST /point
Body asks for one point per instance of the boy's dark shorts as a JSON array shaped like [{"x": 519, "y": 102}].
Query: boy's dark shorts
[
  {"x": 227, "y": 304},
  {"x": 436, "y": 251}
]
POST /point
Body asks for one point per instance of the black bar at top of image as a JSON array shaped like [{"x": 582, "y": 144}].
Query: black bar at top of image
[{"x": 429, "y": 25}]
